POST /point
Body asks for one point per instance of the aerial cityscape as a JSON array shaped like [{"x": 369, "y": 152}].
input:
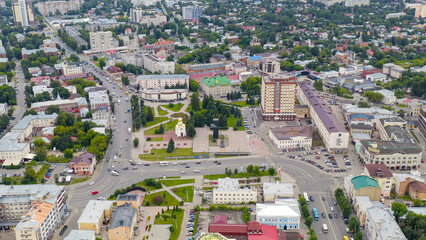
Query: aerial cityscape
[{"x": 212, "y": 120}]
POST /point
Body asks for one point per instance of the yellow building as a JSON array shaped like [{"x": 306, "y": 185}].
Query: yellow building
[
  {"x": 23, "y": 12},
  {"x": 133, "y": 199},
  {"x": 365, "y": 186},
  {"x": 383, "y": 176},
  {"x": 123, "y": 223},
  {"x": 95, "y": 213}
]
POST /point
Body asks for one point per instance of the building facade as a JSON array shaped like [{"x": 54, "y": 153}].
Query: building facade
[
  {"x": 54, "y": 7},
  {"x": 216, "y": 86},
  {"x": 380, "y": 224},
  {"x": 383, "y": 176},
  {"x": 395, "y": 155},
  {"x": 332, "y": 131},
  {"x": 291, "y": 137},
  {"x": 278, "y": 98},
  {"x": 229, "y": 192},
  {"x": 162, "y": 81},
  {"x": 164, "y": 95},
  {"x": 205, "y": 67},
  {"x": 363, "y": 186},
  {"x": 269, "y": 66},
  {"x": 101, "y": 41},
  {"x": 84, "y": 164},
  {"x": 94, "y": 214},
  {"x": 283, "y": 214},
  {"x": 23, "y": 12},
  {"x": 157, "y": 65},
  {"x": 72, "y": 68}
]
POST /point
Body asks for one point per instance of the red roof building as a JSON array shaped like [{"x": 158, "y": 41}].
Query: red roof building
[
  {"x": 267, "y": 232},
  {"x": 249, "y": 231},
  {"x": 370, "y": 71}
]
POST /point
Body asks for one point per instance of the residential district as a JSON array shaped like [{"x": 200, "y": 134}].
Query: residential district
[{"x": 215, "y": 119}]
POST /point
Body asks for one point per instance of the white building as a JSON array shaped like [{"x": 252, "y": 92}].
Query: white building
[
  {"x": 381, "y": 225},
  {"x": 154, "y": 65},
  {"x": 161, "y": 81},
  {"x": 332, "y": 131},
  {"x": 136, "y": 15},
  {"x": 353, "y": 3},
  {"x": 388, "y": 96},
  {"x": 39, "y": 223},
  {"x": 393, "y": 70},
  {"x": 81, "y": 235},
  {"x": 94, "y": 214},
  {"x": 328, "y": 74},
  {"x": 291, "y": 137},
  {"x": 377, "y": 77},
  {"x": 155, "y": 20},
  {"x": 165, "y": 95},
  {"x": 54, "y": 7},
  {"x": 229, "y": 192},
  {"x": 101, "y": 41},
  {"x": 3, "y": 108},
  {"x": 273, "y": 191},
  {"x": 37, "y": 89},
  {"x": 283, "y": 214},
  {"x": 72, "y": 68},
  {"x": 180, "y": 129}
]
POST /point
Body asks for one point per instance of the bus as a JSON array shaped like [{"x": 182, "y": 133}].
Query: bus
[
  {"x": 305, "y": 195},
  {"x": 315, "y": 213},
  {"x": 345, "y": 238}
]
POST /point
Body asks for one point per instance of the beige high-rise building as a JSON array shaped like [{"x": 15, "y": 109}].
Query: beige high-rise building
[
  {"x": 100, "y": 41},
  {"x": 23, "y": 12},
  {"x": 278, "y": 101}
]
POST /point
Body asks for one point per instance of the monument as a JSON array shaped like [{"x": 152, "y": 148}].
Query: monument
[
  {"x": 215, "y": 127},
  {"x": 180, "y": 129}
]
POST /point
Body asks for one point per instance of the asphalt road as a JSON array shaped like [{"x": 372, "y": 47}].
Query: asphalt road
[{"x": 309, "y": 178}]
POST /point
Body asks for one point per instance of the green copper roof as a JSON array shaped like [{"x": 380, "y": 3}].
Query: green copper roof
[
  {"x": 364, "y": 181},
  {"x": 214, "y": 81}
]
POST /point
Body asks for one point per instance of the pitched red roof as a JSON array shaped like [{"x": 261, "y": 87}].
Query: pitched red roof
[
  {"x": 254, "y": 226},
  {"x": 165, "y": 42},
  {"x": 114, "y": 69},
  {"x": 220, "y": 219},
  {"x": 378, "y": 170},
  {"x": 226, "y": 229},
  {"x": 269, "y": 233}
]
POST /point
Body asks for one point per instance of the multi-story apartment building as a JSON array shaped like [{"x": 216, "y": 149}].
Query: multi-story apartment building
[
  {"x": 23, "y": 12},
  {"x": 190, "y": 13},
  {"x": 269, "y": 65},
  {"x": 353, "y": 3},
  {"x": 54, "y": 7},
  {"x": 332, "y": 131},
  {"x": 162, "y": 81},
  {"x": 158, "y": 65},
  {"x": 216, "y": 86},
  {"x": 100, "y": 113},
  {"x": 72, "y": 68},
  {"x": 278, "y": 97},
  {"x": 67, "y": 105},
  {"x": 283, "y": 213},
  {"x": 229, "y": 192},
  {"x": 383, "y": 176},
  {"x": 101, "y": 41},
  {"x": 393, "y": 70},
  {"x": 155, "y": 20},
  {"x": 136, "y": 15},
  {"x": 395, "y": 155},
  {"x": 39, "y": 223},
  {"x": 15, "y": 201},
  {"x": 291, "y": 137}
]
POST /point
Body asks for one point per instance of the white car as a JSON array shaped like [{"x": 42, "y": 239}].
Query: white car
[
  {"x": 183, "y": 172},
  {"x": 174, "y": 163},
  {"x": 196, "y": 171},
  {"x": 91, "y": 183}
]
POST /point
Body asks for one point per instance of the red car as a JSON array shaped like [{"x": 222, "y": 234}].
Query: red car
[{"x": 95, "y": 192}]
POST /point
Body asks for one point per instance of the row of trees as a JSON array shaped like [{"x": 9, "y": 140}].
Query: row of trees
[
  {"x": 234, "y": 95},
  {"x": 139, "y": 116}
]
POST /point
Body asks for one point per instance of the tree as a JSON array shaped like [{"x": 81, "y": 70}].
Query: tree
[
  {"x": 318, "y": 85},
  {"x": 125, "y": 80},
  {"x": 193, "y": 85},
  {"x": 250, "y": 169},
  {"x": 149, "y": 115},
  {"x": 271, "y": 171},
  {"x": 374, "y": 96},
  {"x": 190, "y": 130},
  {"x": 30, "y": 112},
  {"x": 102, "y": 63},
  {"x": 52, "y": 109},
  {"x": 158, "y": 199},
  {"x": 399, "y": 210},
  {"x": 171, "y": 229},
  {"x": 160, "y": 129},
  {"x": 171, "y": 146},
  {"x": 195, "y": 102},
  {"x": 136, "y": 142},
  {"x": 68, "y": 153},
  {"x": 353, "y": 225},
  {"x": 256, "y": 171},
  {"x": 362, "y": 104}
]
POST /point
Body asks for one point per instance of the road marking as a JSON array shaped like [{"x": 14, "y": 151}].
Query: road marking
[{"x": 329, "y": 221}]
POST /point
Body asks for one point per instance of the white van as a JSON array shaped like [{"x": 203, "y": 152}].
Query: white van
[
  {"x": 325, "y": 228},
  {"x": 163, "y": 164}
]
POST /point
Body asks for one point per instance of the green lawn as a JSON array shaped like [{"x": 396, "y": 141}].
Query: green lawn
[
  {"x": 168, "y": 126},
  {"x": 238, "y": 175},
  {"x": 59, "y": 159},
  {"x": 175, "y": 108},
  {"x": 161, "y": 111},
  {"x": 179, "y": 115},
  {"x": 176, "y": 223},
  {"x": 156, "y": 121},
  {"x": 233, "y": 121},
  {"x": 169, "y": 183},
  {"x": 156, "y": 139},
  {"x": 243, "y": 104},
  {"x": 168, "y": 200},
  {"x": 97, "y": 62},
  {"x": 148, "y": 188},
  {"x": 160, "y": 154},
  {"x": 316, "y": 139},
  {"x": 186, "y": 193}
]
